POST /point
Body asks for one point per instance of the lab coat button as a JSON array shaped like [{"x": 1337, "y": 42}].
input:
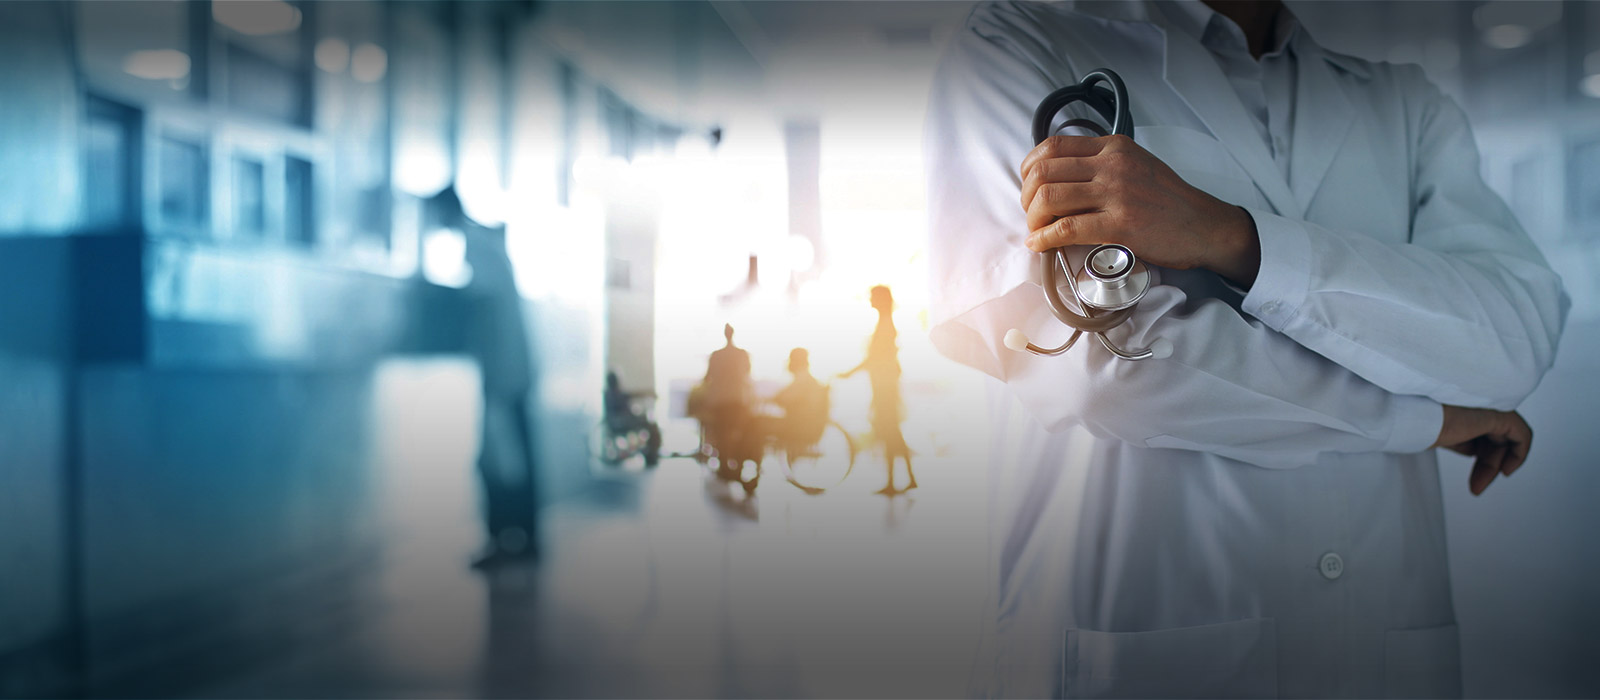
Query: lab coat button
[{"x": 1331, "y": 566}]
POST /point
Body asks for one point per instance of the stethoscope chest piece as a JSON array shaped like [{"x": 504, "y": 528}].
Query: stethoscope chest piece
[{"x": 1112, "y": 279}]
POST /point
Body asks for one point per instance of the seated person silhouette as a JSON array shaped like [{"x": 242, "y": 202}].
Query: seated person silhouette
[
  {"x": 621, "y": 418},
  {"x": 725, "y": 406},
  {"x": 805, "y": 405}
]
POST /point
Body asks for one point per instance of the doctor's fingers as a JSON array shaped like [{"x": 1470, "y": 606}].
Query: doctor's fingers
[
  {"x": 1079, "y": 229},
  {"x": 1052, "y": 170},
  {"x": 1057, "y": 199},
  {"x": 1519, "y": 436},
  {"x": 1486, "y": 467},
  {"x": 1063, "y": 146},
  {"x": 1507, "y": 430}
]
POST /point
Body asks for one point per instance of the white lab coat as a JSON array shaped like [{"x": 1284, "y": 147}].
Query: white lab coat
[{"x": 1164, "y": 528}]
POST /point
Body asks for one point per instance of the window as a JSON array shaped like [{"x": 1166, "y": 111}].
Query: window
[
  {"x": 249, "y": 196},
  {"x": 262, "y": 88},
  {"x": 266, "y": 120},
  {"x": 1583, "y": 181},
  {"x": 299, "y": 221},
  {"x": 183, "y": 177},
  {"x": 111, "y": 164}
]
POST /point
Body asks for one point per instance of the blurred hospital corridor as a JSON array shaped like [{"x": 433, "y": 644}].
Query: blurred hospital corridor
[{"x": 429, "y": 349}]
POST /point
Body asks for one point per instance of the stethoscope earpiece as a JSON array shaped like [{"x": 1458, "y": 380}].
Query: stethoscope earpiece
[{"x": 1112, "y": 280}]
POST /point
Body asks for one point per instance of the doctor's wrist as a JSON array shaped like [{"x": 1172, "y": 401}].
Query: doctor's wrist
[{"x": 1237, "y": 249}]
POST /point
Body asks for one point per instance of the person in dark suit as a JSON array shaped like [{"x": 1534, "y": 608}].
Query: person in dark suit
[{"x": 496, "y": 336}]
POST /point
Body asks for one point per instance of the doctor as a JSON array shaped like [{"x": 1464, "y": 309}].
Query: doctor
[{"x": 1260, "y": 513}]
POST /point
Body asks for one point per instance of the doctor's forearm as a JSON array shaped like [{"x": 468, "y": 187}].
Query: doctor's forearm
[
  {"x": 1231, "y": 387},
  {"x": 1449, "y": 318}
]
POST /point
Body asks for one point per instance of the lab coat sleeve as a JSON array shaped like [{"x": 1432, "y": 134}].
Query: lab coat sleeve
[
  {"x": 1232, "y": 387},
  {"x": 1467, "y": 312}
]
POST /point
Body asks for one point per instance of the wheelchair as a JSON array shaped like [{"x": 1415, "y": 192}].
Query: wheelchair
[
  {"x": 621, "y": 440},
  {"x": 814, "y": 455}
]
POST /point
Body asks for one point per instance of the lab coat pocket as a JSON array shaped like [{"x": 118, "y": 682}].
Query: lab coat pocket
[
  {"x": 1231, "y": 659},
  {"x": 1201, "y": 160},
  {"x": 1422, "y": 663}
]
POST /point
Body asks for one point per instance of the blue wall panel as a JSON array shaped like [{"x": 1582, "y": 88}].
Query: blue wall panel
[
  {"x": 198, "y": 479},
  {"x": 32, "y": 559}
]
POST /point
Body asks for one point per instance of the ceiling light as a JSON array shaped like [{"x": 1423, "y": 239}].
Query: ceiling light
[
  {"x": 1507, "y": 36},
  {"x": 369, "y": 63},
  {"x": 1591, "y": 85},
  {"x": 1533, "y": 15},
  {"x": 157, "y": 64},
  {"x": 333, "y": 54},
  {"x": 256, "y": 17}
]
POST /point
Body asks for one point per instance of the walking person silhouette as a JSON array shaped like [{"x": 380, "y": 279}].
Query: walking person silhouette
[{"x": 882, "y": 365}]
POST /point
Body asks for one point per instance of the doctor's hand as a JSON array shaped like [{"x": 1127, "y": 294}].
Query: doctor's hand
[
  {"x": 1085, "y": 190},
  {"x": 1498, "y": 439}
]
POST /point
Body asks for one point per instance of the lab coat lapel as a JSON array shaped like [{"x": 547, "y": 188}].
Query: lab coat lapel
[
  {"x": 1322, "y": 118},
  {"x": 1193, "y": 74}
]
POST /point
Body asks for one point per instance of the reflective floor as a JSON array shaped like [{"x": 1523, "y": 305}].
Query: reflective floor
[{"x": 668, "y": 583}]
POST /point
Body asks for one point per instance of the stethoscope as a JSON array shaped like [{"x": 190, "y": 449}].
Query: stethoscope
[{"x": 1112, "y": 280}]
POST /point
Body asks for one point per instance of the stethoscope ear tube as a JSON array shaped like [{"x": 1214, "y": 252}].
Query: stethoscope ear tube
[{"x": 1111, "y": 102}]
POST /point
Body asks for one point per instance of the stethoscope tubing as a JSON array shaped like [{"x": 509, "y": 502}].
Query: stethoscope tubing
[{"x": 1111, "y": 103}]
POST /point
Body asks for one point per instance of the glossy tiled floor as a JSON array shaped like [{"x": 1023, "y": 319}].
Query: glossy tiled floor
[{"x": 668, "y": 583}]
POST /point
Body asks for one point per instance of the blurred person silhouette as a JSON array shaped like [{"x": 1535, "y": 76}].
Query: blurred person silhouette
[
  {"x": 496, "y": 337},
  {"x": 804, "y": 402},
  {"x": 621, "y": 418},
  {"x": 883, "y": 370},
  {"x": 725, "y": 404}
]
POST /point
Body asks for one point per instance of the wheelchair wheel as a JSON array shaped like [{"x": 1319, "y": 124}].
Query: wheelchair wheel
[
  {"x": 614, "y": 449},
  {"x": 817, "y": 468}
]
